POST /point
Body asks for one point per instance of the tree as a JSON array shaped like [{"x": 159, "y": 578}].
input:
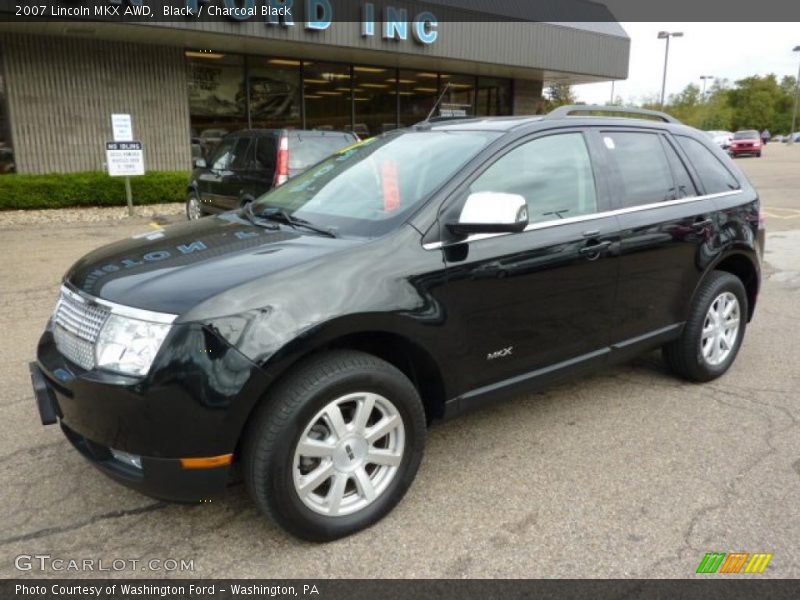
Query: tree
[
  {"x": 749, "y": 103},
  {"x": 687, "y": 105},
  {"x": 560, "y": 94},
  {"x": 759, "y": 103}
]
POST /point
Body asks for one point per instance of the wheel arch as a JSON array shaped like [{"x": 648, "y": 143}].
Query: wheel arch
[
  {"x": 414, "y": 361},
  {"x": 742, "y": 265},
  {"x": 408, "y": 356},
  {"x": 411, "y": 358}
]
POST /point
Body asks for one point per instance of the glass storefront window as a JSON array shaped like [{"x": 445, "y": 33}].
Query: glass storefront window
[
  {"x": 290, "y": 93},
  {"x": 326, "y": 89},
  {"x": 274, "y": 85},
  {"x": 217, "y": 98},
  {"x": 418, "y": 91},
  {"x": 375, "y": 100},
  {"x": 494, "y": 97},
  {"x": 6, "y": 150}
]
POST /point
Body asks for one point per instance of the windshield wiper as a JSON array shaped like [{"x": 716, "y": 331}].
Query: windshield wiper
[
  {"x": 248, "y": 212},
  {"x": 281, "y": 215}
]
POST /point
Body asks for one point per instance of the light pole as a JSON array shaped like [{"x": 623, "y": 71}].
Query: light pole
[
  {"x": 705, "y": 78},
  {"x": 796, "y": 97},
  {"x": 665, "y": 35}
]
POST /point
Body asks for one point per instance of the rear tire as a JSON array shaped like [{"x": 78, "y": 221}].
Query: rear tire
[
  {"x": 714, "y": 331},
  {"x": 309, "y": 448}
]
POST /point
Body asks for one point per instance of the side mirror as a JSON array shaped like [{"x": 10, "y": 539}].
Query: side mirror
[
  {"x": 491, "y": 212},
  {"x": 200, "y": 163}
]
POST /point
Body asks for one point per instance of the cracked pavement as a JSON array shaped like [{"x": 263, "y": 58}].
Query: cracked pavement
[{"x": 626, "y": 473}]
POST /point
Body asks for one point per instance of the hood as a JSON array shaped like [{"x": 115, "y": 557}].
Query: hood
[
  {"x": 746, "y": 141},
  {"x": 173, "y": 269}
]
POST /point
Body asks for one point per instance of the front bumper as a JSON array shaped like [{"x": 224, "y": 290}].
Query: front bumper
[
  {"x": 162, "y": 478},
  {"x": 745, "y": 149},
  {"x": 193, "y": 404}
]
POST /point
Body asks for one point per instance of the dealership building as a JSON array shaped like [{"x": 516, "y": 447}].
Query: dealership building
[{"x": 187, "y": 82}]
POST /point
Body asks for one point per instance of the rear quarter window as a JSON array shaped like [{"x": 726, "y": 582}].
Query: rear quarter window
[{"x": 715, "y": 176}]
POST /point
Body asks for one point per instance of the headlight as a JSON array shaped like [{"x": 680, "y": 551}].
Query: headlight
[{"x": 128, "y": 345}]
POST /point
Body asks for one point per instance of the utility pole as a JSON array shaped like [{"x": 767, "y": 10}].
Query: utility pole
[
  {"x": 705, "y": 78},
  {"x": 796, "y": 97},
  {"x": 666, "y": 35}
]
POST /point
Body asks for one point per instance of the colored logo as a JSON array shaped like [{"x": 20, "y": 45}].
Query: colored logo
[{"x": 734, "y": 562}]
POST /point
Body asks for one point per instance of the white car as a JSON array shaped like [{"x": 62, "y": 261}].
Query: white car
[{"x": 721, "y": 138}]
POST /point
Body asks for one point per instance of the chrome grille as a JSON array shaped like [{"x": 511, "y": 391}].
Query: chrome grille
[{"x": 77, "y": 325}]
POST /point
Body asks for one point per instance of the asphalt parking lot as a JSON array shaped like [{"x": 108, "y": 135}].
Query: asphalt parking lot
[{"x": 627, "y": 473}]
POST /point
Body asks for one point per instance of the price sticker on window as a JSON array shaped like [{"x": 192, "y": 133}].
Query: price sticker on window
[{"x": 391, "y": 186}]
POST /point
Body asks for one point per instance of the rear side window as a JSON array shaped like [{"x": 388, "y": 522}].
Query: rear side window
[
  {"x": 642, "y": 165},
  {"x": 308, "y": 150},
  {"x": 715, "y": 176}
]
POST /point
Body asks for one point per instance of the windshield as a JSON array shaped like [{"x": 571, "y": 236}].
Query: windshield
[
  {"x": 746, "y": 135},
  {"x": 367, "y": 189}
]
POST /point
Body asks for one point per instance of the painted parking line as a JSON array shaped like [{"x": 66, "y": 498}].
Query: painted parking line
[{"x": 789, "y": 213}]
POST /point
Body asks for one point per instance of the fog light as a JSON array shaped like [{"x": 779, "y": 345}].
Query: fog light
[{"x": 129, "y": 459}]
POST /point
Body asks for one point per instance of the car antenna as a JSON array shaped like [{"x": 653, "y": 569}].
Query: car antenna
[{"x": 438, "y": 101}]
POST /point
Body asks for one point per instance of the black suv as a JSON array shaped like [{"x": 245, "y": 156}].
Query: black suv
[
  {"x": 246, "y": 164},
  {"x": 307, "y": 340}
]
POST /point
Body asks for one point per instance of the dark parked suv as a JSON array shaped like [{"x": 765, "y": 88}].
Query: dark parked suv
[
  {"x": 307, "y": 340},
  {"x": 246, "y": 164}
]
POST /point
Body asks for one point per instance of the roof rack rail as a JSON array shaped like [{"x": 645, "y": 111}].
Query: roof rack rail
[{"x": 565, "y": 111}]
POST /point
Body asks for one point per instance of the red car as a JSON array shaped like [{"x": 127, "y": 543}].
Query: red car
[{"x": 745, "y": 142}]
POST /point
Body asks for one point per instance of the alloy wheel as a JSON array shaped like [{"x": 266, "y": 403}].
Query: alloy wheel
[
  {"x": 720, "y": 328},
  {"x": 348, "y": 454},
  {"x": 193, "y": 209}
]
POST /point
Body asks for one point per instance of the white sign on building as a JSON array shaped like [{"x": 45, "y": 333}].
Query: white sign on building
[{"x": 122, "y": 127}]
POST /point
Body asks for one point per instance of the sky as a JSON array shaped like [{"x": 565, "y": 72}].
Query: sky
[{"x": 724, "y": 50}]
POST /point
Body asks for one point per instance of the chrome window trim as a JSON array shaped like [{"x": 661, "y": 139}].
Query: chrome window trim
[
  {"x": 609, "y": 213},
  {"x": 120, "y": 309}
]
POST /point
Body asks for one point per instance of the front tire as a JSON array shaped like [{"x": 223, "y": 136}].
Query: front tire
[
  {"x": 714, "y": 331},
  {"x": 335, "y": 446},
  {"x": 194, "y": 209}
]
